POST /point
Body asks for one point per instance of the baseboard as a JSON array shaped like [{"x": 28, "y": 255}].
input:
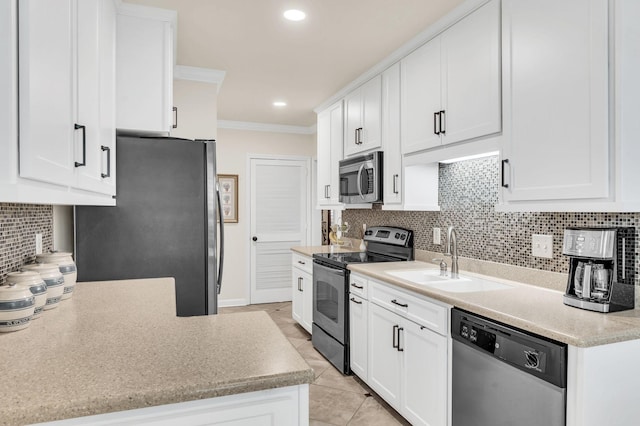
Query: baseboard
[{"x": 226, "y": 303}]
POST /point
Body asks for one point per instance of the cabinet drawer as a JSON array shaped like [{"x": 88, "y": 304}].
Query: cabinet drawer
[
  {"x": 303, "y": 262},
  {"x": 413, "y": 307},
  {"x": 359, "y": 286}
]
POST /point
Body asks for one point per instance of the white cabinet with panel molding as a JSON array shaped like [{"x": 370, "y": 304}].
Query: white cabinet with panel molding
[
  {"x": 451, "y": 85},
  {"x": 362, "y": 110},
  {"x": 302, "y": 290},
  {"x": 65, "y": 89},
  {"x": 145, "y": 60},
  {"x": 566, "y": 145},
  {"x": 358, "y": 326},
  {"x": 329, "y": 146},
  {"x": 408, "y": 355},
  {"x": 392, "y": 169}
]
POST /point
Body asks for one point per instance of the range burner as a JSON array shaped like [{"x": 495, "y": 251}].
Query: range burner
[{"x": 343, "y": 259}]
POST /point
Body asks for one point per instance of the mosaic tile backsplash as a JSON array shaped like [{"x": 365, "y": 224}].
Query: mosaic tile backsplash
[
  {"x": 467, "y": 195},
  {"x": 19, "y": 224}
]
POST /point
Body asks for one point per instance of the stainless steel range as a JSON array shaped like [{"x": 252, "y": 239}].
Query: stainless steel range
[{"x": 331, "y": 288}]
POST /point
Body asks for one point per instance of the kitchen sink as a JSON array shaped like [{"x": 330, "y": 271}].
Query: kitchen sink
[{"x": 431, "y": 278}]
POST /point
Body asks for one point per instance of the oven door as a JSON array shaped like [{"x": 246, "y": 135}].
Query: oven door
[{"x": 329, "y": 300}]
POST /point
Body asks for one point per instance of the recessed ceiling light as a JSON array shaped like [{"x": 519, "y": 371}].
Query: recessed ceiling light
[
  {"x": 279, "y": 104},
  {"x": 295, "y": 15}
]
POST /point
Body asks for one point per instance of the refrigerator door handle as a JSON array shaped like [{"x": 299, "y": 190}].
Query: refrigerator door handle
[{"x": 221, "y": 260}]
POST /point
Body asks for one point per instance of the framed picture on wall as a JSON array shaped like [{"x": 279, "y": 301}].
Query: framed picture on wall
[{"x": 229, "y": 197}]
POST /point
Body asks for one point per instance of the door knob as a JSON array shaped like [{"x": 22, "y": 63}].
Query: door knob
[{"x": 255, "y": 238}]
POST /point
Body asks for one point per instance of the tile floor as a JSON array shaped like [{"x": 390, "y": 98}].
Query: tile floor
[{"x": 334, "y": 399}]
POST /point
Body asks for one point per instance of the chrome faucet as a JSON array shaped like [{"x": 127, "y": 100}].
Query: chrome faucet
[{"x": 452, "y": 250}]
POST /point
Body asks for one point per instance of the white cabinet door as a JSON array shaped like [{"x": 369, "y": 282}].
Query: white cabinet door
[
  {"x": 47, "y": 91},
  {"x": 329, "y": 153},
  {"x": 371, "y": 114},
  {"x": 391, "y": 135},
  {"x": 297, "y": 294},
  {"x": 144, "y": 70},
  {"x": 95, "y": 100},
  {"x": 363, "y": 118},
  {"x": 384, "y": 357},
  {"x": 424, "y": 392},
  {"x": 307, "y": 301},
  {"x": 358, "y": 334},
  {"x": 420, "y": 98},
  {"x": 555, "y": 82},
  {"x": 471, "y": 76}
]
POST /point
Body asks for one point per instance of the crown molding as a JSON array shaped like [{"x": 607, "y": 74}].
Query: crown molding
[
  {"x": 427, "y": 34},
  {"x": 266, "y": 127},
  {"x": 204, "y": 75}
]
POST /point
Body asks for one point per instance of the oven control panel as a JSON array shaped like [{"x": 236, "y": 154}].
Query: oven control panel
[{"x": 389, "y": 235}]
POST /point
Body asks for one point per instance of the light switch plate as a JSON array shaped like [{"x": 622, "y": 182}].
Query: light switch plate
[
  {"x": 38, "y": 243},
  {"x": 542, "y": 246},
  {"x": 436, "y": 236}
]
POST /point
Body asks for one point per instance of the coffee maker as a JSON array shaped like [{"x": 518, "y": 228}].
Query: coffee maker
[{"x": 601, "y": 268}]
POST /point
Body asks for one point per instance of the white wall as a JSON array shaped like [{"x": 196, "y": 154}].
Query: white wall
[
  {"x": 234, "y": 147},
  {"x": 63, "y": 228},
  {"x": 197, "y": 105}
]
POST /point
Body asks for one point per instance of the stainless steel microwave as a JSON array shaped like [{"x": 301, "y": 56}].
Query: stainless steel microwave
[{"x": 361, "y": 179}]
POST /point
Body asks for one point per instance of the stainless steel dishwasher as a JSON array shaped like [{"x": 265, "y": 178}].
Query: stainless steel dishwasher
[{"x": 503, "y": 376}]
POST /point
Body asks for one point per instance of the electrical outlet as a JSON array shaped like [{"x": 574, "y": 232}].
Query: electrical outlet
[
  {"x": 542, "y": 246},
  {"x": 436, "y": 236},
  {"x": 38, "y": 243}
]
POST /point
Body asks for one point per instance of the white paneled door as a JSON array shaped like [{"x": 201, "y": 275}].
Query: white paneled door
[{"x": 280, "y": 208}]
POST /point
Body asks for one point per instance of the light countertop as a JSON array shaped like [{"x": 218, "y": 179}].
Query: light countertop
[
  {"x": 117, "y": 345},
  {"x": 531, "y": 308}
]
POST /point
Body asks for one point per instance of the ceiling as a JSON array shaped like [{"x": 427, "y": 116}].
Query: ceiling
[{"x": 267, "y": 58}]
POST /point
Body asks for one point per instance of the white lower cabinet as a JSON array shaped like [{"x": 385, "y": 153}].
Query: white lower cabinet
[
  {"x": 401, "y": 350},
  {"x": 358, "y": 335},
  {"x": 302, "y": 291}
]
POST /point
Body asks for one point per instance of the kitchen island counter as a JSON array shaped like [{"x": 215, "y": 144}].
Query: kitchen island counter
[{"x": 117, "y": 345}]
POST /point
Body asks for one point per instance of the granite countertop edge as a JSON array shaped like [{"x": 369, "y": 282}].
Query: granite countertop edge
[{"x": 550, "y": 318}]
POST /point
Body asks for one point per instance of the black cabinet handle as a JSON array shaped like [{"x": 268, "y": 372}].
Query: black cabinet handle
[
  {"x": 301, "y": 262},
  {"x": 356, "y": 137},
  {"x": 108, "y": 150},
  {"x": 505, "y": 161},
  {"x": 356, "y": 301},
  {"x": 436, "y": 119},
  {"x": 395, "y": 184},
  {"x": 399, "y": 348},
  {"x": 395, "y": 302},
  {"x": 84, "y": 144},
  {"x": 300, "y": 284},
  {"x": 395, "y": 334},
  {"x": 443, "y": 123},
  {"x": 359, "y": 287},
  {"x": 175, "y": 116}
]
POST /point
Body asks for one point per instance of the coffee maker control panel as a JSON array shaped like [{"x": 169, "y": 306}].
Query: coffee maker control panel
[{"x": 593, "y": 243}]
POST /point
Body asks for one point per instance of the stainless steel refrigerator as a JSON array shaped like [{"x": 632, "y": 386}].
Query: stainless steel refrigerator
[{"x": 166, "y": 222}]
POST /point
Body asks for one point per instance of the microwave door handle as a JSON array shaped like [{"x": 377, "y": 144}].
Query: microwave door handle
[{"x": 359, "y": 181}]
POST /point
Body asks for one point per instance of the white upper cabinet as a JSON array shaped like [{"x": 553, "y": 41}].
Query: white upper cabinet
[
  {"x": 66, "y": 85},
  {"x": 392, "y": 169},
  {"x": 556, "y": 100},
  {"x": 329, "y": 145},
  {"x": 47, "y": 91},
  {"x": 451, "y": 85},
  {"x": 144, "y": 69},
  {"x": 362, "y": 109}
]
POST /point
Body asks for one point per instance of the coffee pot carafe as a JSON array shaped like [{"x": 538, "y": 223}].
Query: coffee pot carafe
[{"x": 601, "y": 269}]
